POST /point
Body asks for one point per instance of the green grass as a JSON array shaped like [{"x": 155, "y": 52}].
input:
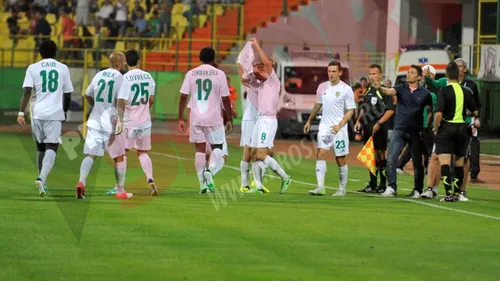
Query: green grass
[
  {"x": 182, "y": 235},
  {"x": 491, "y": 147}
]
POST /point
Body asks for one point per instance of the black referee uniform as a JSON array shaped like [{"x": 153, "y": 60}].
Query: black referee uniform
[
  {"x": 374, "y": 106},
  {"x": 451, "y": 138}
]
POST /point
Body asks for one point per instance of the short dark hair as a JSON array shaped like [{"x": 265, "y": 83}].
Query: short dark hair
[
  {"x": 207, "y": 55},
  {"x": 363, "y": 78},
  {"x": 417, "y": 68},
  {"x": 132, "y": 57},
  {"x": 452, "y": 71},
  {"x": 377, "y": 66},
  {"x": 335, "y": 63},
  {"x": 48, "y": 49}
]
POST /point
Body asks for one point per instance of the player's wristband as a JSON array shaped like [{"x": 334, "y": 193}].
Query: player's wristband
[{"x": 20, "y": 114}]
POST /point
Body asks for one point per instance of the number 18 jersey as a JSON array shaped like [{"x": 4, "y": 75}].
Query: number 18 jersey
[
  {"x": 206, "y": 85},
  {"x": 104, "y": 89},
  {"x": 51, "y": 80},
  {"x": 137, "y": 87}
]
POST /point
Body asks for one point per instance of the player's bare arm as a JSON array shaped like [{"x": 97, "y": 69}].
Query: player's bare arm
[
  {"x": 90, "y": 100},
  {"x": 121, "y": 112},
  {"x": 151, "y": 101},
  {"x": 317, "y": 107},
  {"x": 438, "y": 117},
  {"x": 24, "y": 103},
  {"x": 357, "y": 126},
  {"x": 386, "y": 91},
  {"x": 66, "y": 104},
  {"x": 347, "y": 116},
  {"x": 262, "y": 55},
  {"x": 226, "y": 102},
  {"x": 182, "y": 105},
  {"x": 429, "y": 115},
  {"x": 240, "y": 72}
]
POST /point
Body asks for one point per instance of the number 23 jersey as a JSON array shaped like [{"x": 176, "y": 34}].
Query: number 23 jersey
[
  {"x": 206, "y": 85},
  {"x": 137, "y": 87},
  {"x": 51, "y": 80}
]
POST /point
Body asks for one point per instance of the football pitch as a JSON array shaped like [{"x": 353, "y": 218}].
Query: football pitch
[{"x": 183, "y": 235}]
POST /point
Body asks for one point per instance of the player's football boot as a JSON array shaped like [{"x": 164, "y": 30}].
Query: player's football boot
[
  {"x": 258, "y": 190},
  {"x": 112, "y": 191},
  {"x": 450, "y": 198},
  {"x": 153, "y": 191},
  {"x": 42, "y": 188},
  {"x": 339, "y": 193},
  {"x": 254, "y": 185},
  {"x": 80, "y": 191},
  {"x": 244, "y": 189},
  {"x": 319, "y": 191},
  {"x": 285, "y": 184},
  {"x": 463, "y": 197},
  {"x": 124, "y": 195},
  {"x": 209, "y": 180}
]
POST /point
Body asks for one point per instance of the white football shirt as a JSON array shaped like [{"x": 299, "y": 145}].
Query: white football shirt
[
  {"x": 104, "y": 89},
  {"x": 137, "y": 87},
  {"x": 336, "y": 100},
  {"x": 50, "y": 80}
]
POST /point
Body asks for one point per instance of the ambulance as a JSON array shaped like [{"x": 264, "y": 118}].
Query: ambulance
[
  {"x": 436, "y": 55},
  {"x": 300, "y": 73}
]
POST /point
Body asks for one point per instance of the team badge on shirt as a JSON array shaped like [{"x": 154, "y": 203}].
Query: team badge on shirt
[{"x": 337, "y": 94}]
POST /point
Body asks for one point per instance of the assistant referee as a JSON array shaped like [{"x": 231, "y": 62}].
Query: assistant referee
[{"x": 451, "y": 130}]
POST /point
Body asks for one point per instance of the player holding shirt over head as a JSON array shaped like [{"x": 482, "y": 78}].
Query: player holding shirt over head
[
  {"x": 267, "y": 123},
  {"x": 102, "y": 94},
  {"x": 136, "y": 96},
  {"x": 208, "y": 88},
  {"x": 52, "y": 84},
  {"x": 337, "y": 100}
]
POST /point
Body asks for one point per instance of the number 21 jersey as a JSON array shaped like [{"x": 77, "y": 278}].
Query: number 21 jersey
[
  {"x": 51, "y": 80},
  {"x": 137, "y": 87},
  {"x": 206, "y": 85}
]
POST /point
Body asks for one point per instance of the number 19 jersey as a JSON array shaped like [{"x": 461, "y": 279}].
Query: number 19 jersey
[
  {"x": 104, "y": 89},
  {"x": 206, "y": 85},
  {"x": 51, "y": 80},
  {"x": 137, "y": 87}
]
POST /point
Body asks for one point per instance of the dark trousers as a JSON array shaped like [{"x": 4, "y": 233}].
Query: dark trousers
[
  {"x": 404, "y": 158},
  {"x": 398, "y": 140},
  {"x": 474, "y": 157}
]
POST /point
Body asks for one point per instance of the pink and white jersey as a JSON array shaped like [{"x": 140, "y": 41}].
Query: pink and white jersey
[
  {"x": 268, "y": 96},
  {"x": 335, "y": 100},
  {"x": 206, "y": 85},
  {"x": 251, "y": 112},
  {"x": 137, "y": 87}
]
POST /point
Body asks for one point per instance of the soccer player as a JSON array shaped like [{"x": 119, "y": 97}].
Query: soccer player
[
  {"x": 135, "y": 98},
  {"x": 267, "y": 124},
  {"x": 102, "y": 94},
  {"x": 52, "y": 83},
  {"x": 207, "y": 86},
  {"x": 376, "y": 111},
  {"x": 337, "y": 100},
  {"x": 451, "y": 130}
]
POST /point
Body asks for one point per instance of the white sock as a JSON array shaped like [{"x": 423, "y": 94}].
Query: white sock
[
  {"x": 273, "y": 164},
  {"x": 263, "y": 169},
  {"x": 39, "y": 157},
  {"x": 47, "y": 164},
  {"x": 200, "y": 164},
  {"x": 257, "y": 174},
  {"x": 216, "y": 161},
  {"x": 85, "y": 169},
  {"x": 435, "y": 188},
  {"x": 120, "y": 172},
  {"x": 244, "y": 173},
  {"x": 321, "y": 172},
  {"x": 343, "y": 172}
]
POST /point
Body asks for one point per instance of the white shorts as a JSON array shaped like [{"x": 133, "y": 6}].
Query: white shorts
[
  {"x": 339, "y": 141},
  {"x": 208, "y": 149},
  {"x": 140, "y": 139},
  {"x": 208, "y": 134},
  {"x": 96, "y": 142},
  {"x": 264, "y": 132},
  {"x": 247, "y": 132},
  {"x": 46, "y": 131}
]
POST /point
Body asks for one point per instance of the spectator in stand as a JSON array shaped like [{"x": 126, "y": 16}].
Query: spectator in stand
[
  {"x": 361, "y": 90},
  {"x": 113, "y": 32},
  {"x": 122, "y": 15},
  {"x": 195, "y": 10},
  {"x": 67, "y": 31},
  {"x": 388, "y": 83},
  {"x": 165, "y": 18},
  {"x": 154, "y": 25},
  {"x": 140, "y": 24},
  {"x": 14, "y": 28},
  {"x": 82, "y": 12},
  {"x": 106, "y": 10},
  {"x": 137, "y": 10},
  {"x": 42, "y": 30}
]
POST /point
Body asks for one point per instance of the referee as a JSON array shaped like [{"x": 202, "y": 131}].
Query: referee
[
  {"x": 451, "y": 130},
  {"x": 375, "y": 112}
]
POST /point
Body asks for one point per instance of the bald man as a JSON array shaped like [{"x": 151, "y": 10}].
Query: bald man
[{"x": 102, "y": 95}]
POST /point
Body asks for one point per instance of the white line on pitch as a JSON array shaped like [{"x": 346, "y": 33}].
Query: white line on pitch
[{"x": 314, "y": 185}]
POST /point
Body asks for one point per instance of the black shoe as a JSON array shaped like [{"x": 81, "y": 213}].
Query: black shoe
[
  {"x": 368, "y": 189},
  {"x": 380, "y": 189}
]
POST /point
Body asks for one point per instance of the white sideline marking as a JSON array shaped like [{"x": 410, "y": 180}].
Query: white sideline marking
[{"x": 314, "y": 185}]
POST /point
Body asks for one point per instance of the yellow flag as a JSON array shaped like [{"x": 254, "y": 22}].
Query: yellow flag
[{"x": 367, "y": 156}]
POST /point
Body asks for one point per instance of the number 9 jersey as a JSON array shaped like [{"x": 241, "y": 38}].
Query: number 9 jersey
[
  {"x": 137, "y": 88},
  {"x": 206, "y": 85},
  {"x": 51, "y": 80}
]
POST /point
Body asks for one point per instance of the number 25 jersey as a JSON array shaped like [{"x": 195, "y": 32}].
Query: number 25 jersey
[{"x": 206, "y": 85}]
